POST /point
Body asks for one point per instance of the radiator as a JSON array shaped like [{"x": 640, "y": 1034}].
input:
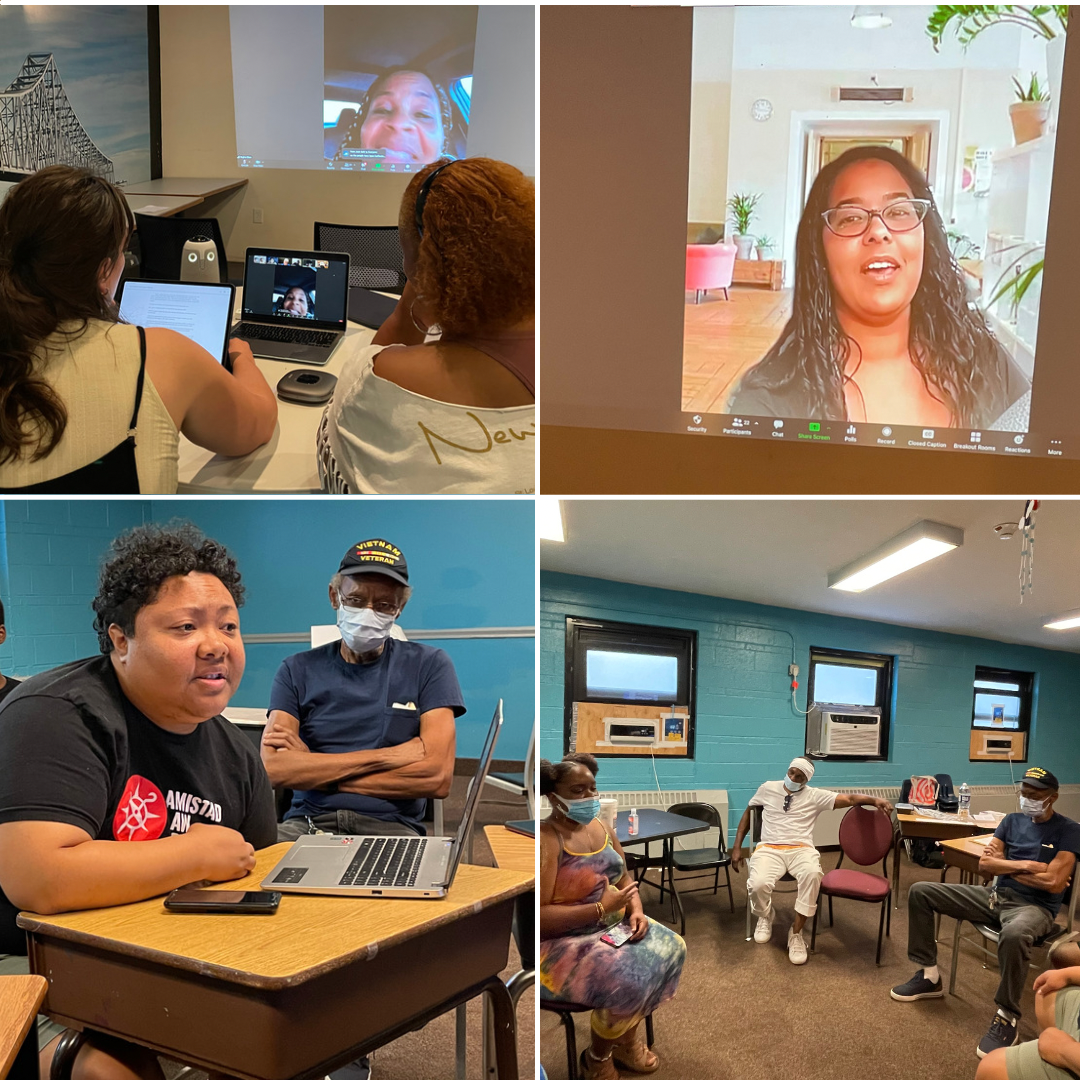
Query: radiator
[{"x": 661, "y": 800}]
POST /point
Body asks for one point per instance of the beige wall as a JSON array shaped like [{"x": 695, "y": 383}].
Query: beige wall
[{"x": 710, "y": 113}]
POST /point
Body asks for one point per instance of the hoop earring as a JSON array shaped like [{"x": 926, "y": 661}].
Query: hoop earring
[{"x": 425, "y": 330}]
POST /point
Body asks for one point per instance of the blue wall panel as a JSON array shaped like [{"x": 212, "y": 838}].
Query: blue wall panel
[
  {"x": 471, "y": 564},
  {"x": 747, "y": 727}
]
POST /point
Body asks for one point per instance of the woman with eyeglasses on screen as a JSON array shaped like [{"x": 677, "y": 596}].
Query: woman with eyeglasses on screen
[{"x": 881, "y": 329}]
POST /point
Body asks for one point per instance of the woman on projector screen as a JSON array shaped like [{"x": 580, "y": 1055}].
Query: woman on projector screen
[
  {"x": 90, "y": 405},
  {"x": 454, "y": 414},
  {"x": 406, "y": 115},
  {"x": 881, "y": 329}
]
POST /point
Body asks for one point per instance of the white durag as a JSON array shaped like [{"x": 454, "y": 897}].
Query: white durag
[{"x": 804, "y": 766}]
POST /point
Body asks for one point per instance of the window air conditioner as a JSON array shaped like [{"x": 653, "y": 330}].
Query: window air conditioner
[
  {"x": 621, "y": 731},
  {"x": 844, "y": 729}
]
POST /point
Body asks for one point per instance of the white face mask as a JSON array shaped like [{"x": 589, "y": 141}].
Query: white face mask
[
  {"x": 791, "y": 785},
  {"x": 1034, "y": 808},
  {"x": 364, "y": 630}
]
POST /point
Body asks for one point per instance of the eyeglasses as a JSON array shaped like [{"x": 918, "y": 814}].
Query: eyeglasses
[
  {"x": 787, "y": 802},
  {"x": 900, "y": 216},
  {"x": 356, "y": 603}
]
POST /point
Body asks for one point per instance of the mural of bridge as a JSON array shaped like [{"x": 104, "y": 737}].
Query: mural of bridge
[{"x": 38, "y": 126}]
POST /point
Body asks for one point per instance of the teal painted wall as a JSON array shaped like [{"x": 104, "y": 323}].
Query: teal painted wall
[
  {"x": 471, "y": 564},
  {"x": 747, "y": 730}
]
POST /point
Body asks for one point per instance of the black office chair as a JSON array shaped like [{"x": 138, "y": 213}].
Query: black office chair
[
  {"x": 708, "y": 858},
  {"x": 161, "y": 244},
  {"x": 375, "y": 257}
]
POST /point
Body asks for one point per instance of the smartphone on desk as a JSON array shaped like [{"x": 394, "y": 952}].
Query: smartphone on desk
[{"x": 222, "y": 902}]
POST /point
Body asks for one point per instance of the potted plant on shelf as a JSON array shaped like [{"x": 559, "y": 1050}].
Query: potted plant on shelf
[
  {"x": 764, "y": 245},
  {"x": 742, "y": 213},
  {"x": 1046, "y": 21},
  {"x": 1030, "y": 110}
]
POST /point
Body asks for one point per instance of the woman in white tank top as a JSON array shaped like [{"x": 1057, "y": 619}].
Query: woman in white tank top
[
  {"x": 89, "y": 405},
  {"x": 453, "y": 414}
]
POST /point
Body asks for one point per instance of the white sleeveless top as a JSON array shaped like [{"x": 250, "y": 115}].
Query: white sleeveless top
[
  {"x": 95, "y": 375},
  {"x": 377, "y": 438}
]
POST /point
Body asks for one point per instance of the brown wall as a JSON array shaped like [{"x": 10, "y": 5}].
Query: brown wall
[{"x": 614, "y": 128}]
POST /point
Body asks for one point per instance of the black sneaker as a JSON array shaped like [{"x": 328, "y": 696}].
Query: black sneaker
[
  {"x": 915, "y": 988},
  {"x": 1002, "y": 1033}
]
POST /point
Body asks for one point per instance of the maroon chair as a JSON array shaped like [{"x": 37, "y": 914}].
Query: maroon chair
[{"x": 866, "y": 835}]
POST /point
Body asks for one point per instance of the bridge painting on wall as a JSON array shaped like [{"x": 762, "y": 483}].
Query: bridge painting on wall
[{"x": 75, "y": 90}]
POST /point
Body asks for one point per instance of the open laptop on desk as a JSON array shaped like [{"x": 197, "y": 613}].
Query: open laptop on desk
[
  {"x": 295, "y": 304},
  {"x": 417, "y": 868}
]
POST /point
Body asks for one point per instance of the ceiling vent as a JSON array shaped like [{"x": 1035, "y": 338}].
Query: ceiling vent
[{"x": 872, "y": 93}]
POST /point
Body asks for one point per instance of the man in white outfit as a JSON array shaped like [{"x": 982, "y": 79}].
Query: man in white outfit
[{"x": 789, "y": 810}]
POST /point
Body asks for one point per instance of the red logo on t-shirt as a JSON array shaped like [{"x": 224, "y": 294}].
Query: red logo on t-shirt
[{"x": 142, "y": 813}]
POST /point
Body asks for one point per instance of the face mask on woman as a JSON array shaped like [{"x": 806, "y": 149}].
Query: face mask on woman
[
  {"x": 791, "y": 785},
  {"x": 363, "y": 630},
  {"x": 1034, "y": 808},
  {"x": 581, "y": 810}
]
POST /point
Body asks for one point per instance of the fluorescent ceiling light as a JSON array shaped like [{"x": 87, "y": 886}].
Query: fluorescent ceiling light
[
  {"x": 549, "y": 520},
  {"x": 1067, "y": 623},
  {"x": 870, "y": 18},
  {"x": 924, "y": 541}
]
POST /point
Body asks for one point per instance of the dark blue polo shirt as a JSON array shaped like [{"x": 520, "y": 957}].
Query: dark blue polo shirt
[
  {"x": 1039, "y": 841},
  {"x": 346, "y": 707}
]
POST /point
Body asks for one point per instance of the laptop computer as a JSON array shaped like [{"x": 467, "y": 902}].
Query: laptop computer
[
  {"x": 201, "y": 311},
  {"x": 295, "y": 304},
  {"x": 420, "y": 867}
]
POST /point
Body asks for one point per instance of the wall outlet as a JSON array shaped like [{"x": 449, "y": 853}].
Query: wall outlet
[{"x": 256, "y": 217}]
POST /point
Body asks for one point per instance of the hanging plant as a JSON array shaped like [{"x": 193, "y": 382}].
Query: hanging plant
[{"x": 972, "y": 20}]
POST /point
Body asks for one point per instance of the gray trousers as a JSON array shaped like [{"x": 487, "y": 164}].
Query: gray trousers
[
  {"x": 342, "y": 823},
  {"x": 1018, "y": 921}
]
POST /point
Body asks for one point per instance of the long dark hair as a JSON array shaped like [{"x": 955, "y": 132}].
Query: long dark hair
[
  {"x": 950, "y": 344},
  {"x": 56, "y": 229}
]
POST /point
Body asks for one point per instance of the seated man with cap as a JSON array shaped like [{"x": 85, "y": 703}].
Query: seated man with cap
[
  {"x": 789, "y": 809},
  {"x": 362, "y": 729},
  {"x": 1032, "y": 855}
]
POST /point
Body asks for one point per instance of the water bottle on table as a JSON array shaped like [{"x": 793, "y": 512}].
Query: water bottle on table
[
  {"x": 965, "y": 802},
  {"x": 633, "y": 826}
]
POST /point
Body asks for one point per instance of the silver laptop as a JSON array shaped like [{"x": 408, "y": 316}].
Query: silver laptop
[
  {"x": 295, "y": 304},
  {"x": 420, "y": 867}
]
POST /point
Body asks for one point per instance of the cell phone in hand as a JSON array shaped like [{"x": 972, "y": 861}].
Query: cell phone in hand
[
  {"x": 222, "y": 902},
  {"x": 618, "y": 935}
]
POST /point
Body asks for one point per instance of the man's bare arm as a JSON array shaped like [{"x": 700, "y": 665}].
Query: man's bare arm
[
  {"x": 1055, "y": 877},
  {"x": 290, "y": 764},
  {"x": 430, "y": 777},
  {"x": 993, "y": 861},
  {"x": 49, "y": 866}
]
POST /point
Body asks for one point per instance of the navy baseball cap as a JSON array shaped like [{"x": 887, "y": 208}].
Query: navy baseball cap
[
  {"x": 376, "y": 557},
  {"x": 1040, "y": 778}
]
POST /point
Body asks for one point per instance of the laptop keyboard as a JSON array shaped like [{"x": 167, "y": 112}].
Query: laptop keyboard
[
  {"x": 384, "y": 861},
  {"x": 289, "y": 335}
]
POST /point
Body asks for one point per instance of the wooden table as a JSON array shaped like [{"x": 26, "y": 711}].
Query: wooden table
[
  {"x": 512, "y": 850},
  {"x": 964, "y": 854},
  {"x": 759, "y": 272},
  {"x": 200, "y": 186},
  {"x": 20, "y": 998},
  {"x": 160, "y": 205},
  {"x": 913, "y": 826},
  {"x": 292, "y": 995}
]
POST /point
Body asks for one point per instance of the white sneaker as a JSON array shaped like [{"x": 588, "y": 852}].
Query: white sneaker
[
  {"x": 763, "y": 930},
  {"x": 796, "y": 948}
]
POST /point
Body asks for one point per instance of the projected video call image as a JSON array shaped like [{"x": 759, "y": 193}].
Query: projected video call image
[
  {"x": 397, "y": 94},
  {"x": 867, "y": 217}
]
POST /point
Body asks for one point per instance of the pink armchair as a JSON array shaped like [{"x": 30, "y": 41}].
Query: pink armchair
[{"x": 709, "y": 266}]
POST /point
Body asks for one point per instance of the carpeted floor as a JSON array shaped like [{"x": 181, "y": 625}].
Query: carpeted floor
[{"x": 745, "y": 1012}]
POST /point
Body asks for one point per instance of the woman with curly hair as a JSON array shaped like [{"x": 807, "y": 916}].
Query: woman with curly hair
[
  {"x": 89, "y": 405},
  {"x": 415, "y": 413},
  {"x": 881, "y": 329},
  {"x": 585, "y": 890}
]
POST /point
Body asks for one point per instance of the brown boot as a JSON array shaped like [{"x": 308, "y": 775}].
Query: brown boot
[
  {"x": 635, "y": 1055},
  {"x": 597, "y": 1069}
]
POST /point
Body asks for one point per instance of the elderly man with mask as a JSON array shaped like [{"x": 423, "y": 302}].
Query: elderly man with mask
[
  {"x": 362, "y": 729},
  {"x": 789, "y": 809},
  {"x": 1032, "y": 856}
]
